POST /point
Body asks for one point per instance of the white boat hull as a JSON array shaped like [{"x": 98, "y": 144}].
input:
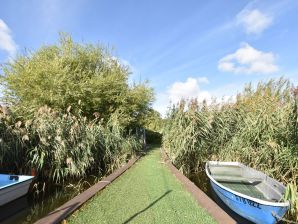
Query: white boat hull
[{"x": 14, "y": 191}]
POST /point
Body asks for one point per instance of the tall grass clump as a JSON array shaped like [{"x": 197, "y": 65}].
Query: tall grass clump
[
  {"x": 259, "y": 129},
  {"x": 12, "y": 142},
  {"x": 64, "y": 146},
  {"x": 70, "y": 146},
  {"x": 184, "y": 135}
]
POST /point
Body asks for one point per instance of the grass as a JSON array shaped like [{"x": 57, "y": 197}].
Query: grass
[{"x": 146, "y": 193}]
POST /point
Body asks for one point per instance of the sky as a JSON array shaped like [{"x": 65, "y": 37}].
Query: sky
[{"x": 185, "y": 49}]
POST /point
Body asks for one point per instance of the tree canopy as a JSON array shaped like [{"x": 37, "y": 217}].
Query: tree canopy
[
  {"x": 86, "y": 77},
  {"x": 154, "y": 121}
]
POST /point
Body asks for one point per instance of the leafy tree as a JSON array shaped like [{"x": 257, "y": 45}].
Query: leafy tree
[
  {"x": 153, "y": 121},
  {"x": 71, "y": 74}
]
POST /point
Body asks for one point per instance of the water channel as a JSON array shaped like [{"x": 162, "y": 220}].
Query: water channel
[{"x": 30, "y": 208}]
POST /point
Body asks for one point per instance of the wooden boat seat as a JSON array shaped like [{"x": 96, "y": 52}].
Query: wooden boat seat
[{"x": 236, "y": 179}]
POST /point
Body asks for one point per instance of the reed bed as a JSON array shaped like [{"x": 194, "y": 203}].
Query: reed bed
[
  {"x": 259, "y": 129},
  {"x": 63, "y": 146}
]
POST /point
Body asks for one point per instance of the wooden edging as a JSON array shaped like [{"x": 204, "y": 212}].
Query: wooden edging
[
  {"x": 202, "y": 199},
  {"x": 59, "y": 214}
]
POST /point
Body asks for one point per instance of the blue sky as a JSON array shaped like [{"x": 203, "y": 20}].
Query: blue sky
[{"x": 184, "y": 48}]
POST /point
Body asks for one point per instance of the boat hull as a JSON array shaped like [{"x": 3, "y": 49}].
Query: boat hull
[
  {"x": 14, "y": 191},
  {"x": 251, "y": 210}
]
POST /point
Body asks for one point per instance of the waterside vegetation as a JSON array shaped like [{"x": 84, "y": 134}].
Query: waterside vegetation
[
  {"x": 69, "y": 111},
  {"x": 259, "y": 129}
]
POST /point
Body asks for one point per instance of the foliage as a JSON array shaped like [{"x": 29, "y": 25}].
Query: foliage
[
  {"x": 12, "y": 142},
  {"x": 259, "y": 130},
  {"x": 70, "y": 113},
  {"x": 153, "y": 121},
  {"x": 153, "y": 137},
  {"x": 292, "y": 195},
  {"x": 66, "y": 73},
  {"x": 63, "y": 146},
  {"x": 153, "y": 124}
]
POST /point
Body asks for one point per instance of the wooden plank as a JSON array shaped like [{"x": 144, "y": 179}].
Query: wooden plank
[{"x": 61, "y": 213}]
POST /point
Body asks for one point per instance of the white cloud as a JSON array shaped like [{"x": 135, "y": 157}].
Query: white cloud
[
  {"x": 191, "y": 89},
  {"x": 188, "y": 90},
  {"x": 203, "y": 80},
  {"x": 6, "y": 42},
  {"x": 253, "y": 21},
  {"x": 161, "y": 103},
  {"x": 248, "y": 60}
]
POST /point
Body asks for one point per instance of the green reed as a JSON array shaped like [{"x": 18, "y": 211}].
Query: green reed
[
  {"x": 259, "y": 130},
  {"x": 63, "y": 146}
]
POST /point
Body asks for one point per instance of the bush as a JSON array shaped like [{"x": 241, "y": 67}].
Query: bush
[{"x": 66, "y": 73}]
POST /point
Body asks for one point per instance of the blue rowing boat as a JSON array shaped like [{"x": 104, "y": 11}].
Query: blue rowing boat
[
  {"x": 13, "y": 187},
  {"x": 248, "y": 192}
]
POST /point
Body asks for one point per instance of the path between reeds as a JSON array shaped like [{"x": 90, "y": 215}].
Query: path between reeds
[{"x": 146, "y": 193}]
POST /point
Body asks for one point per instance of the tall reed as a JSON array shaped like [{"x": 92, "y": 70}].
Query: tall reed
[
  {"x": 64, "y": 146},
  {"x": 12, "y": 142},
  {"x": 259, "y": 130}
]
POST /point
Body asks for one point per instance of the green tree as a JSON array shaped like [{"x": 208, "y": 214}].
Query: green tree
[
  {"x": 153, "y": 121},
  {"x": 67, "y": 74}
]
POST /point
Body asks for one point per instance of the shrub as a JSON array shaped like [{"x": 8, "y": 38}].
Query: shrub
[{"x": 66, "y": 73}]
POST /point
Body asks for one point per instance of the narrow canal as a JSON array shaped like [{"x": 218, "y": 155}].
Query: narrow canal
[{"x": 33, "y": 206}]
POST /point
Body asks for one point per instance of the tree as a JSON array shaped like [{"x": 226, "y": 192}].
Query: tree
[
  {"x": 153, "y": 121},
  {"x": 67, "y": 74}
]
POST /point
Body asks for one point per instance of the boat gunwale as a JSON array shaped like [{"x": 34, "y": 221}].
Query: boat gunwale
[
  {"x": 260, "y": 201},
  {"x": 30, "y": 178}
]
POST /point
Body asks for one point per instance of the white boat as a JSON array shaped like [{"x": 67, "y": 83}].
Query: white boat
[
  {"x": 248, "y": 192},
  {"x": 13, "y": 187}
]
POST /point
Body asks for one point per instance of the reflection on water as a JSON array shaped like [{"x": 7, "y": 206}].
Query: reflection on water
[
  {"x": 19, "y": 207},
  {"x": 30, "y": 208},
  {"x": 202, "y": 181}
]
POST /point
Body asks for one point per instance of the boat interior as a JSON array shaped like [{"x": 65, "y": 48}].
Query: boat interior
[{"x": 248, "y": 181}]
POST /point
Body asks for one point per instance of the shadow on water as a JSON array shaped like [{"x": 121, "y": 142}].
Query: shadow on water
[
  {"x": 202, "y": 181},
  {"x": 16, "y": 208},
  {"x": 32, "y": 207},
  {"x": 29, "y": 208},
  {"x": 149, "y": 206}
]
